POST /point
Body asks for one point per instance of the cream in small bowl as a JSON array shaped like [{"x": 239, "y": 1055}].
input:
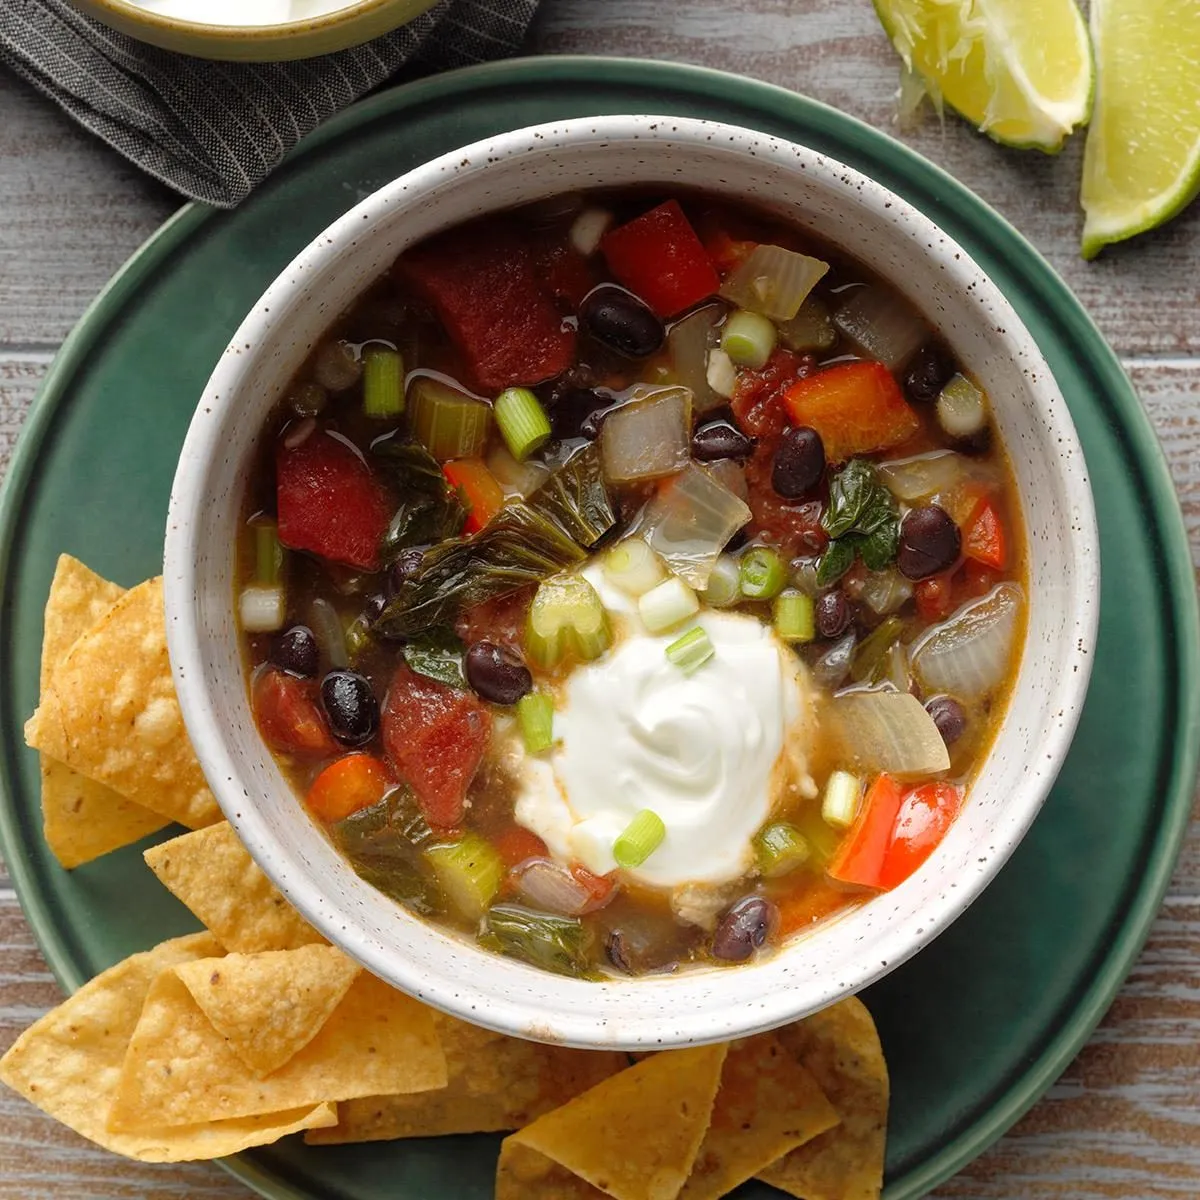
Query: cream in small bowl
[{"x": 700, "y": 1004}]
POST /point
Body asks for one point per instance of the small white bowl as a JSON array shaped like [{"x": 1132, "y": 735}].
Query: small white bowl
[{"x": 847, "y": 209}]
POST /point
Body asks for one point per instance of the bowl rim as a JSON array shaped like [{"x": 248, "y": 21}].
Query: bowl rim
[{"x": 576, "y": 1027}]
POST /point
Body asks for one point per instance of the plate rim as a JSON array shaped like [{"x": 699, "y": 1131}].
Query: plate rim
[{"x": 1136, "y": 430}]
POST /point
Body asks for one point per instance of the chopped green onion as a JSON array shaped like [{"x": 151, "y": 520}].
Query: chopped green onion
[
  {"x": 641, "y": 837},
  {"x": 522, "y": 421},
  {"x": 795, "y": 616},
  {"x": 721, "y": 374},
  {"x": 358, "y": 636},
  {"x": 469, "y": 871},
  {"x": 535, "y": 715},
  {"x": 873, "y": 648},
  {"x": 667, "y": 605},
  {"x": 447, "y": 422},
  {"x": 724, "y": 583},
  {"x": 262, "y": 608},
  {"x": 762, "y": 573},
  {"x": 550, "y": 942},
  {"x": 633, "y": 567},
  {"x": 268, "y": 553},
  {"x": 383, "y": 382},
  {"x": 839, "y": 806},
  {"x": 566, "y": 617},
  {"x": 781, "y": 848},
  {"x": 691, "y": 651},
  {"x": 748, "y": 339}
]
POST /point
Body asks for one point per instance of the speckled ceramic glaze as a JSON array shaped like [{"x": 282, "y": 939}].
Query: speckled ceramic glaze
[{"x": 838, "y": 204}]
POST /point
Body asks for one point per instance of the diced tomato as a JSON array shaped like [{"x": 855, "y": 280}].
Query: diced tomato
[
  {"x": 934, "y": 597},
  {"x": 289, "y": 715},
  {"x": 601, "y": 888},
  {"x": 758, "y": 395},
  {"x": 435, "y": 737},
  {"x": 977, "y": 580},
  {"x": 329, "y": 501},
  {"x": 727, "y": 253},
  {"x": 516, "y": 845},
  {"x": 926, "y": 812},
  {"x": 806, "y": 906},
  {"x": 487, "y": 285},
  {"x": 352, "y": 783},
  {"x": 500, "y": 620},
  {"x": 984, "y": 539},
  {"x": 857, "y": 408},
  {"x": 658, "y": 257},
  {"x": 481, "y": 493},
  {"x": 859, "y": 858},
  {"x": 793, "y": 526}
]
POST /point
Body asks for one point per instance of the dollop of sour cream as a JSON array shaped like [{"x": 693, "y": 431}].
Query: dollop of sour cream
[
  {"x": 242, "y": 12},
  {"x": 711, "y": 753}
]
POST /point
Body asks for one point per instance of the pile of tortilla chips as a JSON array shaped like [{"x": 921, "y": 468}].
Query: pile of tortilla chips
[{"x": 257, "y": 1028}]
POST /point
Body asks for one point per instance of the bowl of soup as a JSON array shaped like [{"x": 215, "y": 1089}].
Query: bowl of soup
[{"x": 631, "y": 582}]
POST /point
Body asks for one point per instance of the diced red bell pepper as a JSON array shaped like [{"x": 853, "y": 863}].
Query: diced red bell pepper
[
  {"x": 329, "y": 501},
  {"x": 567, "y": 274},
  {"x": 289, "y": 715},
  {"x": 859, "y": 859},
  {"x": 600, "y": 888},
  {"x": 984, "y": 538},
  {"x": 516, "y": 845},
  {"x": 435, "y": 737},
  {"x": 926, "y": 812},
  {"x": 805, "y": 906},
  {"x": 658, "y": 257},
  {"x": 857, "y": 408},
  {"x": 351, "y": 783},
  {"x": 481, "y": 493},
  {"x": 487, "y": 286},
  {"x": 934, "y": 597}
]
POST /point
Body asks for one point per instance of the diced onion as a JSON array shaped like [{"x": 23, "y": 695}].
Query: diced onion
[
  {"x": 516, "y": 478},
  {"x": 831, "y": 669},
  {"x": 548, "y": 885},
  {"x": 882, "y": 325},
  {"x": 588, "y": 228},
  {"x": 649, "y": 437},
  {"x": 961, "y": 408},
  {"x": 721, "y": 374},
  {"x": 730, "y": 473},
  {"x": 262, "y": 609},
  {"x": 886, "y": 591},
  {"x": 667, "y": 605},
  {"x": 968, "y": 654},
  {"x": 923, "y": 475},
  {"x": 633, "y": 567},
  {"x": 888, "y": 731},
  {"x": 688, "y": 342},
  {"x": 773, "y": 281},
  {"x": 331, "y": 637}
]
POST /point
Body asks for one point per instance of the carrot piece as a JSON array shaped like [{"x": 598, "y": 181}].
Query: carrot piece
[
  {"x": 483, "y": 495},
  {"x": 857, "y": 408},
  {"x": 859, "y": 859},
  {"x": 516, "y": 844},
  {"x": 926, "y": 812},
  {"x": 985, "y": 539},
  {"x": 348, "y": 785},
  {"x": 806, "y": 906}
]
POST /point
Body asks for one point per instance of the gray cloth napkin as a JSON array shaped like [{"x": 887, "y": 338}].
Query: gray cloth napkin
[{"x": 215, "y": 130}]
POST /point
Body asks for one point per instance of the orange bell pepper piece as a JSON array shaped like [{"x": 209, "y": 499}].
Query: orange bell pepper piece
[
  {"x": 859, "y": 859},
  {"x": 481, "y": 493},
  {"x": 985, "y": 539},
  {"x": 926, "y": 812},
  {"x": 348, "y": 785}
]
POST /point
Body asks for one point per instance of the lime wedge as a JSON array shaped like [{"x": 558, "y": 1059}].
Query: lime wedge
[
  {"x": 1142, "y": 163},
  {"x": 1021, "y": 70}
]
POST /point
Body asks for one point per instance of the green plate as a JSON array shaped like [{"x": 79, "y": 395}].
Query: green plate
[{"x": 980, "y": 1023}]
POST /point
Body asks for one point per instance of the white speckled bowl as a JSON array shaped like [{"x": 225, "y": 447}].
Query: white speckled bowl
[{"x": 847, "y": 209}]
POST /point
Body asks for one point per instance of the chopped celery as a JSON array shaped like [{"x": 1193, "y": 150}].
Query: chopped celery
[
  {"x": 810, "y": 329},
  {"x": 724, "y": 583},
  {"x": 690, "y": 651},
  {"x": 748, "y": 339},
  {"x": 839, "y": 805},
  {"x": 873, "y": 649},
  {"x": 553, "y": 943},
  {"x": 639, "y": 839},
  {"x": 633, "y": 567},
  {"x": 781, "y": 848},
  {"x": 447, "y": 422},
  {"x": 522, "y": 420},
  {"x": 762, "y": 573},
  {"x": 262, "y": 609},
  {"x": 961, "y": 408},
  {"x": 469, "y": 872},
  {"x": 535, "y": 715},
  {"x": 773, "y": 281},
  {"x": 268, "y": 553},
  {"x": 566, "y": 617},
  {"x": 795, "y": 616},
  {"x": 383, "y": 382},
  {"x": 666, "y": 605}
]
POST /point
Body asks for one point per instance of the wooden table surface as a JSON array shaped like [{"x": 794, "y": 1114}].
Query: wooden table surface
[{"x": 1124, "y": 1120}]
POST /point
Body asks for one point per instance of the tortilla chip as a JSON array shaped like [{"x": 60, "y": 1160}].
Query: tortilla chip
[
  {"x": 523, "y": 1173},
  {"x": 634, "y": 1136},
  {"x": 495, "y": 1083},
  {"x": 269, "y": 1006},
  {"x": 81, "y": 819},
  {"x": 767, "y": 1104},
  {"x": 179, "y": 1069},
  {"x": 840, "y": 1047},
  {"x": 213, "y": 874},
  {"x": 111, "y": 714}
]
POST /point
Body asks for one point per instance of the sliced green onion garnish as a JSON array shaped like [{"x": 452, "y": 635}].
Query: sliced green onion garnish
[
  {"x": 566, "y": 617},
  {"x": 748, "y": 339},
  {"x": 691, "y": 651},
  {"x": 447, "y": 422},
  {"x": 268, "y": 554},
  {"x": 262, "y": 608},
  {"x": 383, "y": 382},
  {"x": 724, "y": 583},
  {"x": 633, "y": 567},
  {"x": 522, "y": 421},
  {"x": 781, "y": 848},
  {"x": 668, "y": 604},
  {"x": 839, "y": 805},
  {"x": 535, "y": 715},
  {"x": 795, "y": 616},
  {"x": 641, "y": 837},
  {"x": 762, "y": 573},
  {"x": 470, "y": 872}
]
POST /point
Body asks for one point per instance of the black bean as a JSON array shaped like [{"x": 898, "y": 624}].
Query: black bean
[
  {"x": 799, "y": 463},
  {"x": 297, "y": 652},
  {"x": 350, "y": 706},
  {"x": 578, "y": 413},
  {"x": 405, "y": 567},
  {"x": 979, "y": 442},
  {"x": 497, "y": 673},
  {"x": 617, "y": 951},
  {"x": 929, "y": 542},
  {"x": 928, "y": 373},
  {"x": 949, "y": 718},
  {"x": 619, "y": 320},
  {"x": 833, "y": 613},
  {"x": 743, "y": 929},
  {"x": 720, "y": 439}
]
